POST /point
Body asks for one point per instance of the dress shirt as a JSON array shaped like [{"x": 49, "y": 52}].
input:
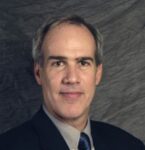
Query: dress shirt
[{"x": 70, "y": 134}]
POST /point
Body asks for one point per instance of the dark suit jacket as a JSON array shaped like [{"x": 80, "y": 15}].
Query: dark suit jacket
[{"x": 41, "y": 134}]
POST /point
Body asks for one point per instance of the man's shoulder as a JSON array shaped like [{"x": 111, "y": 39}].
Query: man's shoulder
[
  {"x": 23, "y": 134},
  {"x": 113, "y": 135},
  {"x": 109, "y": 130},
  {"x": 104, "y": 127},
  {"x": 34, "y": 134},
  {"x": 17, "y": 131}
]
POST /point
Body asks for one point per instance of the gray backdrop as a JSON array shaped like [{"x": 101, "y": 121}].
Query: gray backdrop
[{"x": 120, "y": 97}]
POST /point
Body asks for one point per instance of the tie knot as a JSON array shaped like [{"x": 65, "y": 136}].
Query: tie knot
[{"x": 84, "y": 142}]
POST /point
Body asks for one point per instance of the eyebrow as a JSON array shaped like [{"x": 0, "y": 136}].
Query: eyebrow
[
  {"x": 86, "y": 58},
  {"x": 56, "y": 57},
  {"x": 65, "y": 58}
]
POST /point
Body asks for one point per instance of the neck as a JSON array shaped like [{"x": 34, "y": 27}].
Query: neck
[{"x": 78, "y": 123}]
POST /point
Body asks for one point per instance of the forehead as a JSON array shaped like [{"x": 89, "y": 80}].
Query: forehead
[{"x": 66, "y": 37}]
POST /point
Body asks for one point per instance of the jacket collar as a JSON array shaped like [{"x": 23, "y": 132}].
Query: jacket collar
[
  {"x": 50, "y": 137},
  {"x": 98, "y": 140}
]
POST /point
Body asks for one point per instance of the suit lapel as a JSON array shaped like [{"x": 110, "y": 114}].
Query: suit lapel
[
  {"x": 50, "y": 137},
  {"x": 98, "y": 140}
]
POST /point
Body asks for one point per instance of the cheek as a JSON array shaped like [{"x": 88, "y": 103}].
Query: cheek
[
  {"x": 89, "y": 84},
  {"x": 89, "y": 78},
  {"x": 52, "y": 80}
]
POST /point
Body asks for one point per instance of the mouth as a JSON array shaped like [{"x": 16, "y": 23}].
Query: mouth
[{"x": 71, "y": 95}]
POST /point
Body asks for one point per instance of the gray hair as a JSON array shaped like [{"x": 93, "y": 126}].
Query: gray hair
[{"x": 37, "y": 53}]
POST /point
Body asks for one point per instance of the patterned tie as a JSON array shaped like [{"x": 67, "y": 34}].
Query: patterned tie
[{"x": 84, "y": 142}]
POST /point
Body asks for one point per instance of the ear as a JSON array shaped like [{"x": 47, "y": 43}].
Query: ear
[
  {"x": 99, "y": 73},
  {"x": 37, "y": 69}
]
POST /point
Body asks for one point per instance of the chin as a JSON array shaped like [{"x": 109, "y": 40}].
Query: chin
[{"x": 72, "y": 115}]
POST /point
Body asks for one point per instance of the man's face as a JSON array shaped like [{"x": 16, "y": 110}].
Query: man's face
[{"x": 69, "y": 74}]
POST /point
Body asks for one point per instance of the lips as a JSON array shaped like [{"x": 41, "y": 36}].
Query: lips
[{"x": 71, "y": 94}]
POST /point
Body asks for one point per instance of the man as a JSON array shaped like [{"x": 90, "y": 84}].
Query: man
[{"x": 68, "y": 65}]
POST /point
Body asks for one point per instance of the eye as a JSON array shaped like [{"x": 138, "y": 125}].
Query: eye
[
  {"x": 84, "y": 63},
  {"x": 57, "y": 63}
]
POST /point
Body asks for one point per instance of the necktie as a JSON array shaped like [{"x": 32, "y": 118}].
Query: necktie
[{"x": 84, "y": 142}]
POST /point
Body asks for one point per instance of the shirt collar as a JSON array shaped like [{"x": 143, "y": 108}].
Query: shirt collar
[{"x": 70, "y": 134}]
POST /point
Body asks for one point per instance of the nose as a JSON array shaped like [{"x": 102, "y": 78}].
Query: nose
[{"x": 71, "y": 75}]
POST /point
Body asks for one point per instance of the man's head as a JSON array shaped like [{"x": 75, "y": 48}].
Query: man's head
[{"x": 67, "y": 55}]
